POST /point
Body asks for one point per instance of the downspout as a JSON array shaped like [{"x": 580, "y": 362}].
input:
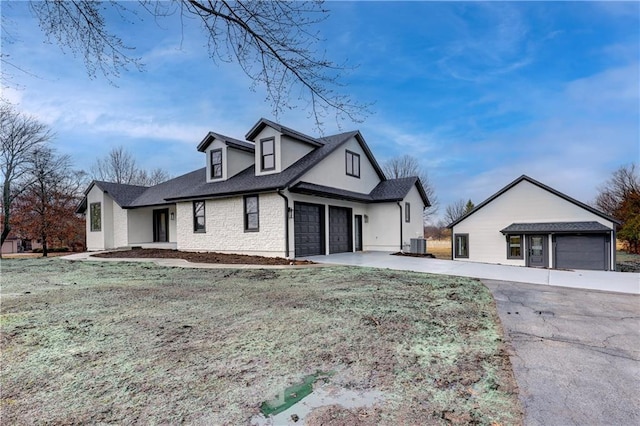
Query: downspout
[
  {"x": 401, "y": 218},
  {"x": 286, "y": 222}
]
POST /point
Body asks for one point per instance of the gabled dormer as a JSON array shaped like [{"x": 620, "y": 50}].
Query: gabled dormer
[
  {"x": 278, "y": 147},
  {"x": 225, "y": 156}
]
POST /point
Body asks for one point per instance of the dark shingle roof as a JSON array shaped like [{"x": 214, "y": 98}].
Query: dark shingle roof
[
  {"x": 263, "y": 122},
  {"x": 555, "y": 227},
  {"x": 540, "y": 185},
  {"x": 385, "y": 191},
  {"x": 194, "y": 185},
  {"x": 247, "y": 181},
  {"x": 235, "y": 143},
  {"x": 122, "y": 194}
]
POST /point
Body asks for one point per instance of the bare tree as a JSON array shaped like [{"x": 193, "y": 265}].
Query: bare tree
[
  {"x": 620, "y": 197},
  {"x": 20, "y": 134},
  {"x": 408, "y": 166},
  {"x": 456, "y": 210},
  {"x": 622, "y": 183},
  {"x": 119, "y": 166},
  {"x": 152, "y": 177},
  {"x": 273, "y": 42}
]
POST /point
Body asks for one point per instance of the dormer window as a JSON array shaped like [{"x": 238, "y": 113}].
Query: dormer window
[
  {"x": 268, "y": 154},
  {"x": 353, "y": 164},
  {"x": 216, "y": 164}
]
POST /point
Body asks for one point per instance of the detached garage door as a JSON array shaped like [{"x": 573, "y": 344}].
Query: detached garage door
[
  {"x": 308, "y": 229},
  {"x": 582, "y": 252},
  {"x": 339, "y": 230}
]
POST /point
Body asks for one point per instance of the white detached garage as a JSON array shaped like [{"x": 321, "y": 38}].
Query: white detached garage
[{"x": 530, "y": 224}]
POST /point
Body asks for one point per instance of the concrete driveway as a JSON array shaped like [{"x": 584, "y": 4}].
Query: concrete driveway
[{"x": 576, "y": 353}]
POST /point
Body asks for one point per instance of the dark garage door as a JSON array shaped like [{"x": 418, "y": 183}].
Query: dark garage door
[
  {"x": 308, "y": 229},
  {"x": 581, "y": 252},
  {"x": 339, "y": 230}
]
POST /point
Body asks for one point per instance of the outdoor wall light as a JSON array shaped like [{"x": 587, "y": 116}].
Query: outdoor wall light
[
  {"x": 290, "y": 212},
  {"x": 172, "y": 216},
  {"x": 366, "y": 219}
]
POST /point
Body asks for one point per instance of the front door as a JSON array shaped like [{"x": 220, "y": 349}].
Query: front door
[
  {"x": 357, "y": 224},
  {"x": 537, "y": 251},
  {"x": 161, "y": 226}
]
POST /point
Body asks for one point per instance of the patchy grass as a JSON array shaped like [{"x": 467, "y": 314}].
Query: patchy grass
[
  {"x": 112, "y": 342},
  {"x": 627, "y": 262}
]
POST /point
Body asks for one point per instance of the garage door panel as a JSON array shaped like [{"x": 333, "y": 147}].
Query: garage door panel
[
  {"x": 339, "y": 230},
  {"x": 308, "y": 231},
  {"x": 581, "y": 252}
]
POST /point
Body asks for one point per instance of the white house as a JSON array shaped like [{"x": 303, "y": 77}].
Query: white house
[
  {"x": 277, "y": 193},
  {"x": 527, "y": 223}
]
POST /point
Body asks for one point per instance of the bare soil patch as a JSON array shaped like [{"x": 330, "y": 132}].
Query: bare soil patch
[
  {"x": 123, "y": 343},
  {"x": 205, "y": 257}
]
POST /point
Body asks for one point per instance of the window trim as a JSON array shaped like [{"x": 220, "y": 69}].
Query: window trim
[
  {"x": 271, "y": 140},
  {"x": 509, "y": 256},
  {"x": 211, "y": 165},
  {"x": 457, "y": 255},
  {"x": 196, "y": 229},
  {"x": 354, "y": 156},
  {"x": 407, "y": 212},
  {"x": 246, "y": 214},
  {"x": 98, "y": 224}
]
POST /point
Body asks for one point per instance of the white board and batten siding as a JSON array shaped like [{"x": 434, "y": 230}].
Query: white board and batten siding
[{"x": 523, "y": 203}]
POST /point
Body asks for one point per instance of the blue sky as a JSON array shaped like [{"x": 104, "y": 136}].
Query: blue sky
[{"x": 480, "y": 93}]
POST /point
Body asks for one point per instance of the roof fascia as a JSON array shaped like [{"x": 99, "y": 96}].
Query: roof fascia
[
  {"x": 218, "y": 196},
  {"x": 372, "y": 159},
  {"x": 540, "y": 185},
  {"x": 263, "y": 122}
]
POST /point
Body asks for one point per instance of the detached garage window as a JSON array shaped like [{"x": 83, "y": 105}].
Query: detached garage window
[
  {"x": 514, "y": 247},
  {"x": 198, "y": 216},
  {"x": 251, "y": 214},
  {"x": 95, "y": 215},
  {"x": 461, "y": 245}
]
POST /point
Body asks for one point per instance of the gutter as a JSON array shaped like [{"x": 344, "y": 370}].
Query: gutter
[
  {"x": 286, "y": 222},
  {"x": 401, "y": 219}
]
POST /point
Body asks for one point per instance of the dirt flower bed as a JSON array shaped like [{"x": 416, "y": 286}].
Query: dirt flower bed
[
  {"x": 222, "y": 258},
  {"x": 125, "y": 343}
]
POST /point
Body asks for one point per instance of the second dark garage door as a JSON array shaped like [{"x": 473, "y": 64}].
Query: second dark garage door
[
  {"x": 339, "y": 230},
  {"x": 581, "y": 252}
]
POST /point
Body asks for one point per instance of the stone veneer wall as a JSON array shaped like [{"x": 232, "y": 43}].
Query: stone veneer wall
[{"x": 225, "y": 227}]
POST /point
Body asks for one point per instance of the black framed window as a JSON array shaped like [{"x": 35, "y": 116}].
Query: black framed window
[
  {"x": 407, "y": 212},
  {"x": 461, "y": 245},
  {"x": 514, "y": 247},
  {"x": 268, "y": 154},
  {"x": 216, "y": 163},
  {"x": 95, "y": 217},
  {"x": 251, "y": 213},
  {"x": 199, "y": 216},
  {"x": 353, "y": 164}
]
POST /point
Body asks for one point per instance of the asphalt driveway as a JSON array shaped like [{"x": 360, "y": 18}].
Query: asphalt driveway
[{"x": 576, "y": 353}]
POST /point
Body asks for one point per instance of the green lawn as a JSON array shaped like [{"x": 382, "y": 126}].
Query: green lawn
[{"x": 102, "y": 342}]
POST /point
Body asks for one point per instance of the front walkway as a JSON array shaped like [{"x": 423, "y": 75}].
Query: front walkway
[{"x": 622, "y": 282}]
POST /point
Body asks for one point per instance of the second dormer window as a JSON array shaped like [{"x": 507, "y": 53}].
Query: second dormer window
[
  {"x": 268, "y": 152},
  {"x": 353, "y": 164},
  {"x": 216, "y": 164}
]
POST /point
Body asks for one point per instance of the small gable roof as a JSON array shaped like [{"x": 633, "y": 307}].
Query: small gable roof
[
  {"x": 540, "y": 185},
  {"x": 555, "y": 227},
  {"x": 263, "y": 122},
  {"x": 121, "y": 193},
  {"x": 229, "y": 141}
]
